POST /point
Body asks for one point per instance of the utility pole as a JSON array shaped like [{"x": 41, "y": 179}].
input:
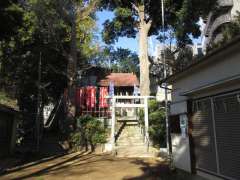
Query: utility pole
[{"x": 168, "y": 136}]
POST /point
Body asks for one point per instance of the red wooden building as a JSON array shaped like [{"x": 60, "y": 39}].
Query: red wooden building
[{"x": 91, "y": 97}]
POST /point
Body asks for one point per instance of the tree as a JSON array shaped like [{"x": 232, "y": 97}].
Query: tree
[
  {"x": 125, "y": 61},
  {"x": 144, "y": 17},
  {"x": 10, "y": 18},
  {"x": 157, "y": 124},
  {"x": 44, "y": 34},
  {"x": 74, "y": 12},
  {"x": 10, "y": 22},
  {"x": 120, "y": 60}
]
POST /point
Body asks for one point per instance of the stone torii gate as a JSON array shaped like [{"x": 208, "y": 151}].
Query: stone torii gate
[{"x": 143, "y": 104}]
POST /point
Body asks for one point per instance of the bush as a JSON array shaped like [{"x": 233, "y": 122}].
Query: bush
[
  {"x": 157, "y": 125},
  {"x": 90, "y": 131}
]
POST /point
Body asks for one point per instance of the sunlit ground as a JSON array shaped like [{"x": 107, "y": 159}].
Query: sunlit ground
[{"x": 95, "y": 167}]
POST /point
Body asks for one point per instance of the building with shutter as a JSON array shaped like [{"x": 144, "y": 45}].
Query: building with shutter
[{"x": 205, "y": 114}]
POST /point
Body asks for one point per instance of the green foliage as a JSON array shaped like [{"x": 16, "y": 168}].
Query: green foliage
[
  {"x": 75, "y": 140},
  {"x": 10, "y": 18},
  {"x": 145, "y": 18},
  {"x": 153, "y": 105},
  {"x": 180, "y": 16},
  {"x": 86, "y": 40},
  {"x": 90, "y": 131},
  {"x": 157, "y": 125},
  {"x": 41, "y": 31},
  {"x": 120, "y": 60},
  {"x": 184, "y": 59}
]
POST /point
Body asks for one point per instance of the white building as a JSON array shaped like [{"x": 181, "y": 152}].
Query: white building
[{"x": 222, "y": 15}]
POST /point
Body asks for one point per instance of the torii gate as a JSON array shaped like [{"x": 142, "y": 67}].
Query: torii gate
[{"x": 144, "y": 105}]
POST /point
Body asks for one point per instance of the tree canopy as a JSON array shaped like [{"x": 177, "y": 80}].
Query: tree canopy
[
  {"x": 181, "y": 16},
  {"x": 143, "y": 17},
  {"x": 119, "y": 60},
  {"x": 11, "y": 18},
  {"x": 43, "y": 33}
]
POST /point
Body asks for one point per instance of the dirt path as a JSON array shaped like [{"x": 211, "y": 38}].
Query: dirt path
[{"x": 93, "y": 167}]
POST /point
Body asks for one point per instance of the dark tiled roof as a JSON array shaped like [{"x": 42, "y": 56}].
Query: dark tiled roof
[{"x": 120, "y": 80}]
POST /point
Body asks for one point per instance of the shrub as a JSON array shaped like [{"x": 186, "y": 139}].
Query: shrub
[
  {"x": 90, "y": 131},
  {"x": 157, "y": 126},
  {"x": 76, "y": 140}
]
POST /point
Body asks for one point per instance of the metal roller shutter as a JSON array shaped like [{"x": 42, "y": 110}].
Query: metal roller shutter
[
  {"x": 227, "y": 120},
  {"x": 203, "y": 136}
]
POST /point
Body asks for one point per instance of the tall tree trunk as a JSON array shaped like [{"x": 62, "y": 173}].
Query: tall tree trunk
[
  {"x": 143, "y": 55},
  {"x": 71, "y": 72}
]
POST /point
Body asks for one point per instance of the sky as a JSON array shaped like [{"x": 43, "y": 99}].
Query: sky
[{"x": 123, "y": 42}]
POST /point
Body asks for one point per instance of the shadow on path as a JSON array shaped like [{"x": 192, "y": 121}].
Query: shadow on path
[
  {"x": 160, "y": 171},
  {"x": 61, "y": 167}
]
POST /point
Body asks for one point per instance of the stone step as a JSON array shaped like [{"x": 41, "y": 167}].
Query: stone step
[
  {"x": 136, "y": 148},
  {"x": 127, "y": 144},
  {"x": 130, "y": 142},
  {"x": 130, "y": 135},
  {"x": 132, "y": 139}
]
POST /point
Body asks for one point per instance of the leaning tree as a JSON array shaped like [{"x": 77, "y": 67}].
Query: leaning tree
[{"x": 143, "y": 17}]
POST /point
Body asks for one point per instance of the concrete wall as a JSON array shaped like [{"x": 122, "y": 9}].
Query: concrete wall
[
  {"x": 223, "y": 66},
  {"x": 236, "y": 7},
  {"x": 178, "y": 108},
  {"x": 181, "y": 152},
  {"x": 160, "y": 95}
]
